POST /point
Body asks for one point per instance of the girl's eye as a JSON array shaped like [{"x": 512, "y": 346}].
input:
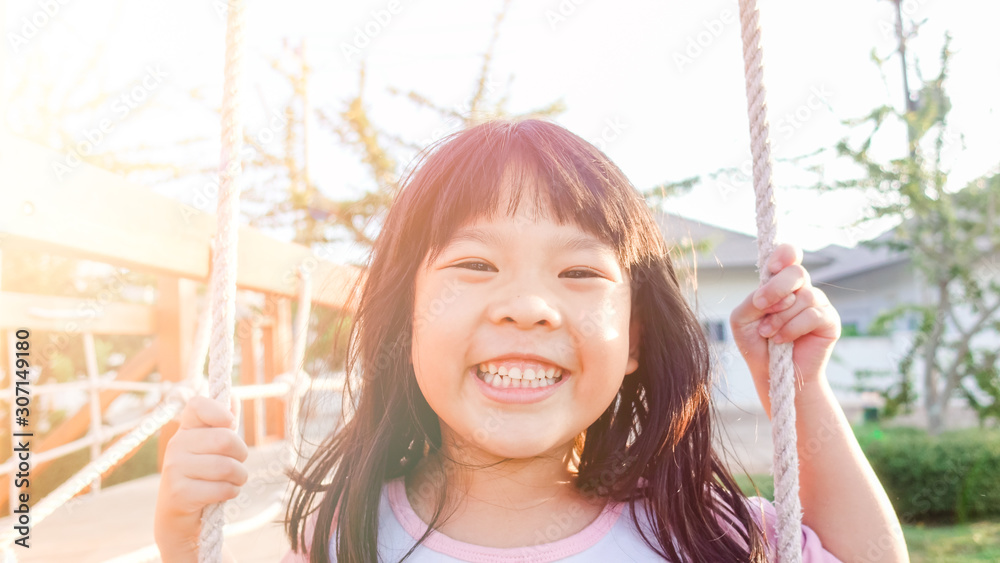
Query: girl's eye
[
  {"x": 582, "y": 274},
  {"x": 474, "y": 266},
  {"x": 484, "y": 267}
]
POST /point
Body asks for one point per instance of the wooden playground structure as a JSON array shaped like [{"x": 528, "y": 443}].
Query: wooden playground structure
[{"x": 95, "y": 215}]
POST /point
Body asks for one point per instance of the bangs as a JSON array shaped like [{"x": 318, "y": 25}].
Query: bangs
[{"x": 484, "y": 173}]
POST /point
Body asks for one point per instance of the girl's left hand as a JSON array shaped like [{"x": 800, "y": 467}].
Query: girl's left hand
[{"x": 789, "y": 309}]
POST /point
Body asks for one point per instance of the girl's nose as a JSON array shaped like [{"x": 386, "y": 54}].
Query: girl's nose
[{"x": 525, "y": 311}]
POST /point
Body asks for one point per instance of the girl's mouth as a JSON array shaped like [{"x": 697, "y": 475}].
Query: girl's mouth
[{"x": 502, "y": 379}]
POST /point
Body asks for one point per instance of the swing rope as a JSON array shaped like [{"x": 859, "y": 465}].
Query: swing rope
[
  {"x": 223, "y": 277},
  {"x": 782, "y": 387}
]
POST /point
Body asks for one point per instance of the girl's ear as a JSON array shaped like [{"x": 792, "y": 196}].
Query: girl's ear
[{"x": 634, "y": 334}]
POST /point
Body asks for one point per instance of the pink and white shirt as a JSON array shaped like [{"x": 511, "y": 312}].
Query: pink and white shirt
[{"x": 611, "y": 537}]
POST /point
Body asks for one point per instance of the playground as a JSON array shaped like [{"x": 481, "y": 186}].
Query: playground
[{"x": 192, "y": 300}]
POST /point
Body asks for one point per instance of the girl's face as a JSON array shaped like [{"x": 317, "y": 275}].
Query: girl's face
[{"x": 529, "y": 298}]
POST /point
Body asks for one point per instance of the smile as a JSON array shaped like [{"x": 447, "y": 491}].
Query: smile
[
  {"x": 518, "y": 391},
  {"x": 504, "y": 377}
]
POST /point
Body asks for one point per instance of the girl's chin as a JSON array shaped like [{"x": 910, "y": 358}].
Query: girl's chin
[{"x": 521, "y": 447}]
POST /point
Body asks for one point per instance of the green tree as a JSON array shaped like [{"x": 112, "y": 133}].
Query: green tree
[
  {"x": 952, "y": 237},
  {"x": 318, "y": 218}
]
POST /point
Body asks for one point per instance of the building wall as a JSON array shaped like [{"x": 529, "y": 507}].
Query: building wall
[
  {"x": 859, "y": 299},
  {"x": 720, "y": 290}
]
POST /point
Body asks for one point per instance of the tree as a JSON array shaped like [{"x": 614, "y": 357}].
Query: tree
[
  {"x": 318, "y": 218},
  {"x": 952, "y": 236}
]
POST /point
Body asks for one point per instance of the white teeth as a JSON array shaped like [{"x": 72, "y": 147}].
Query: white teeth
[
  {"x": 503, "y": 377},
  {"x": 518, "y": 373}
]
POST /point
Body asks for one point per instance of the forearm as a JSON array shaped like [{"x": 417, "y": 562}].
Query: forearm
[{"x": 842, "y": 499}]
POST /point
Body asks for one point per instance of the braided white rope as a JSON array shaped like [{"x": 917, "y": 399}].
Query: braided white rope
[
  {"x": 220, "y": 361},
  {"x": 782, "y": 389}
]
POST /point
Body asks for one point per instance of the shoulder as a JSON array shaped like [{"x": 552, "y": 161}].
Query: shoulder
[{"x": 765, "y": 515}]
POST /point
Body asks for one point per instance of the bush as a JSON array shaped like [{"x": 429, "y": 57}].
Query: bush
[
  {"x": 756, "y": 485},
  {"x": 952, "y": 477}
]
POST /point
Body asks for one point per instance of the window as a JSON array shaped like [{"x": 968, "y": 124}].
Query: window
[{"x": 714, "y": 330}]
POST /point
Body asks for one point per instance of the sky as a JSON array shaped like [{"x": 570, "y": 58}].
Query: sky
[{"x": 657, "y": 85}]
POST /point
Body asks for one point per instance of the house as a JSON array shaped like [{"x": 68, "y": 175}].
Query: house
[
  {"x": 860, "y": 282},
  {"x": 715, "y": 282}
]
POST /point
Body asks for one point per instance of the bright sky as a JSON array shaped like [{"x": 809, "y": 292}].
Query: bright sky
[{"x": 663, "y": 81}]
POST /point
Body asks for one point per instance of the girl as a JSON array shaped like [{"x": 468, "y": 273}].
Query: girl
[{"x": 533, "y": 387}]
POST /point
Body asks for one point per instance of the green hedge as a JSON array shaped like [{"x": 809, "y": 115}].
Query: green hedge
[
  {"x": 952, "y": 477},
  {"x": 756, "y": 485}
]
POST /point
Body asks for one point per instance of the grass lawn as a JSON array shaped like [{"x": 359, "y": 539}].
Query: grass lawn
[
  {"x": 960, "y": 543},
  {"x": 979, "y": 541}
]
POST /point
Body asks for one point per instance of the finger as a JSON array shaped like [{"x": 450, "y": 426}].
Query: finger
[
  {"x": 782, "y": 256},
  {"x": 210, "y": 441},
  {"x": 805, "y": 298},
  {"x": 785, "y": 282},
  {"x": 195, "y": 494},
  {"x": 783, "y": 305},
  {"x": 807, "y": 321},
  {"x": 202, "y": 412},
  {"x": 213, "y": 468},
  {"x": 746, "y": 313}
]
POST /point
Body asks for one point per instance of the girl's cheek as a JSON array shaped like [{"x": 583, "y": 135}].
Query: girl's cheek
[
  {"x": 602, "y": 322},
  {"x": 441, "y": 300}
]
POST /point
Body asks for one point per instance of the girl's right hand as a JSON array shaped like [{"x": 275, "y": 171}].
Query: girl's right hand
[{"x": 202, "y": 465}]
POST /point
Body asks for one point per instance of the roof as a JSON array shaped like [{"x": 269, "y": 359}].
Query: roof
[
  {"x": 845, "y": 262},
  {"x": 730, "y": 249}
]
